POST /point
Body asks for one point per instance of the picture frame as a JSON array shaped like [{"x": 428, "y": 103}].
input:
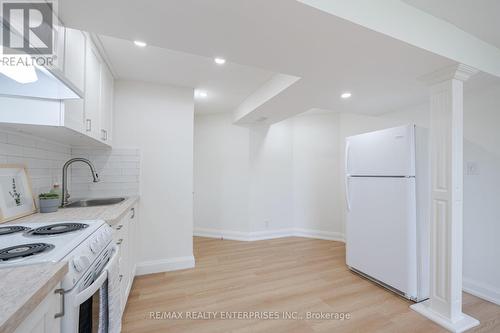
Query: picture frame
[{"x": 16, "y": 194}]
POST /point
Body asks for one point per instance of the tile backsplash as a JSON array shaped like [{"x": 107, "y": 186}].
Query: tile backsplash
[
  {"x": 119, "y": 169},
  {"x": 43, "y": 158}
]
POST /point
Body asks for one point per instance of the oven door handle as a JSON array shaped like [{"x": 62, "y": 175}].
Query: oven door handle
[{"x": 90, "y": 290}]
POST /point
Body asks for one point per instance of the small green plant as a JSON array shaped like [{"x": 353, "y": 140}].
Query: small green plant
[{"x": 47, "y": 196}]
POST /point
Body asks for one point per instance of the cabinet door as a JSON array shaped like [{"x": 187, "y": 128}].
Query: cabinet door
[
  {"x": 42, "y": 319},
  {"x": 132, "y": 236},
  {"x": 74, "y": 58},
  {"x": 107, "y": 82},
  {"x": 92, "y": 92},
  {"x": 74, "y": 114}
]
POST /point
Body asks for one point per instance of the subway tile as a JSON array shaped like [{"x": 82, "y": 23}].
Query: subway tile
[
  {"x": 10, "y": 150},
  {"x": 21, "y": 140}
]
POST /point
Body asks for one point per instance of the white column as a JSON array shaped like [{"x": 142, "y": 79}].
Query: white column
[{"x": 445, "y": 303}]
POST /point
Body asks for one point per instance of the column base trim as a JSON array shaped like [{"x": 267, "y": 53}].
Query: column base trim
[{"x": 462, "y": 325}]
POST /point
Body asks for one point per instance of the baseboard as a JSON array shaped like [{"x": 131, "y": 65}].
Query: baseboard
[
  {"x": 242, "y": 236},
  {"x": 481, "y": 290},
  {"x": 318, "y": 234},
  {"x": 267, "y": 234},
  {"x": 226, "y": 234},
  {"x": 164, "y": 265}
]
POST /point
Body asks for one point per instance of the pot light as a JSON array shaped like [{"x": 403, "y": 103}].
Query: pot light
[
  {"x": 346, "y": 95},
  {"x": 139, "y": 43},
  {"x": 200, "y": 94},
  {"x": 220, "y": 61}
]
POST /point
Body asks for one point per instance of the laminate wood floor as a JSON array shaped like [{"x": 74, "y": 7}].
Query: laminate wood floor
[{"x": 294, "y": 275}]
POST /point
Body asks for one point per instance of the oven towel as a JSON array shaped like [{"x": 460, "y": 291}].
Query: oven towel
[
  {"x": 103, "y": 308},
  {"x": 114, "y": 297}
]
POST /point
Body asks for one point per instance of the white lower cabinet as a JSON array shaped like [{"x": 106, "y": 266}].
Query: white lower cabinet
[
  {"x": 46, "y": 318},
  {"x": 124, "y": 236}
]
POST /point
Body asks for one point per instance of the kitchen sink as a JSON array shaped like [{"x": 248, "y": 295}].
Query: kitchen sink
[{"x": 94, "y": 202}]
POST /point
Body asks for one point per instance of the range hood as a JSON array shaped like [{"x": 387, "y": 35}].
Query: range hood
[
  {"x": 20, "y": 73},
  {"x": 37, "y": 82}
]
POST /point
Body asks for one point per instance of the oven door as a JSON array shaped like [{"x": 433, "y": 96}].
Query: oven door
[{"x": 86, "y": 303}]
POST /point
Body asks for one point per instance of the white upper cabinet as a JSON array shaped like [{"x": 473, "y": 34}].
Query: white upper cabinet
[
  {"x": 81, "y": 70},
  {"x": 74, "y": 70},
  {"x": 93, "y": 92},
  {"x": 107, "y": 96},
  {"x": 74, "y": 58}
]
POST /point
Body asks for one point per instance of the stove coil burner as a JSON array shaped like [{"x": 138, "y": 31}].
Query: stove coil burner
[
  {"x": 56, "y": 229},
  {"x": 24, "y": 250},
  {"x": 12, "y": 229}
]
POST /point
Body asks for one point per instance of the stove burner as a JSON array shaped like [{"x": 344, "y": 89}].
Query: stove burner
[
  {"x": 24, "y": 250},
  {"x": 11, "y": 229},
  {"x": 56, "y": 229}
]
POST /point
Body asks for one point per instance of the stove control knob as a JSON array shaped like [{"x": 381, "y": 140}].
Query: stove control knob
[
  {"x": 78, "y": 264},
  {"x": 94, "y": 246}
]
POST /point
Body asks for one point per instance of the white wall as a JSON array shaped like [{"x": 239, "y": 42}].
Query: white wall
[
  {"x": 221, "y": 173},
  {"x": 271, "y": 177},
  {"x": 262, "y": 182},
  {"x": 482, "y": 193},
  {"x": 316, "y": 153},
  {"x": 158, "y": 120}
]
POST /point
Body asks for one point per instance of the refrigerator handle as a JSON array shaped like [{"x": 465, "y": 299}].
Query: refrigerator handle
[{"x": 347, "y": 196}]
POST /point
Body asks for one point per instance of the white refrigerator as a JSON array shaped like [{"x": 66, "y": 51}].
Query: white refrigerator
[{"x": 387, "y": 197}]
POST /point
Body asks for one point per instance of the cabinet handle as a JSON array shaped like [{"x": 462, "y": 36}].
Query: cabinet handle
[
  {"x": 120, "y": 241},
  {"x": 133, "y": 212},
  {"x": 60, "y": 292},
  {"x": 119, "y": 227},
  {"x": 88, "y": 125}
]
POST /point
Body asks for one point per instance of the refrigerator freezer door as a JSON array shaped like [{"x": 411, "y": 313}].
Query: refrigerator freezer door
[
  {"x": 381, "y": 230},
  {"x": 389, "y": 152}
]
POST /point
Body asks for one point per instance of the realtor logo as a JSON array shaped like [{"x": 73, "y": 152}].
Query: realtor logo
[{"x": 27, "y": 27}]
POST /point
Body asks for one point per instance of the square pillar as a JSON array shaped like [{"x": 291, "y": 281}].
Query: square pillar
[{"x": 446, "y": 239}]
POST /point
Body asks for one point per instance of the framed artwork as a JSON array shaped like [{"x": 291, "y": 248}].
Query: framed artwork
[{"x": 16, "y": 195}]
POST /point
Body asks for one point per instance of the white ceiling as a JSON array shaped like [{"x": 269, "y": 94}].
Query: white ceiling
[
  {"x": 227, "y": 86},
  {"x": 329, "y": 54},
  {"x": 477, "y": 17}
]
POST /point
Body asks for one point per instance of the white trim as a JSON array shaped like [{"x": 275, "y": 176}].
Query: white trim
[
  {"x": 164, "y": 265},
  {"x": 268, "y": 234},
  {"x": 481, "y": 290},
  {"x": 318, "y": 234},
  {"x": 464, "y": 323}
]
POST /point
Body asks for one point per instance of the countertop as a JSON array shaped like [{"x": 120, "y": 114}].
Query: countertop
[
  {"x": 23, "y": 288},
  {"x": 34, "y": 282},
  {"x": 111, "y": 213}
]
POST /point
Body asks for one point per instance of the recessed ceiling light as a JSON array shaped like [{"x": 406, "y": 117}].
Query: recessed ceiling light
[
  {"x": 200, "y": 94},
  {"x": 220, "y": 61},
  {"x": 139, "y": 43},
  {"x": 346, "y": 95}
]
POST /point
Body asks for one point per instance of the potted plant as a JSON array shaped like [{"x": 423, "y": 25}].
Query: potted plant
[{"x": 49, "y": 202}]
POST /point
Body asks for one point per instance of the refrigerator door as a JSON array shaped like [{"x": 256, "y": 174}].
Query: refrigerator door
[
  {"x": 389, "y": 152},
  {"x": 381, "y": 230}
]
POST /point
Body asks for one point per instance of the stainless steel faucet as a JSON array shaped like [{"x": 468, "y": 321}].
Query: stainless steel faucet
[{"x": 65, "y": 194}]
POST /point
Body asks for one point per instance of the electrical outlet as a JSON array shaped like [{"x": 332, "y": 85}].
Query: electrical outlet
[
  {"x": 471, "y": 169},
  {"x": 266, "y": 224}
]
